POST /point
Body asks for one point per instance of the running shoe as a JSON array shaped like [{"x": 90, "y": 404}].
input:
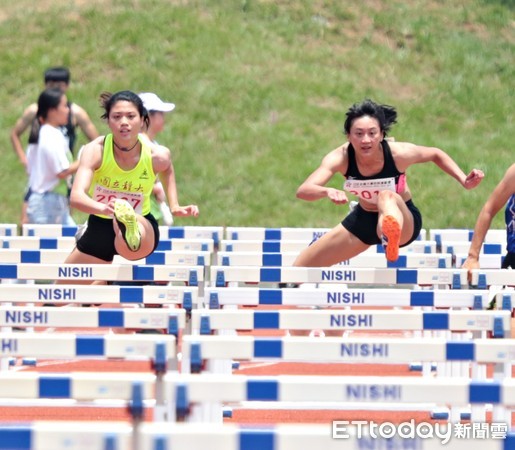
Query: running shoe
[
  {"x": 128, "y": 223},
  {"x": 391, "y": 238}
]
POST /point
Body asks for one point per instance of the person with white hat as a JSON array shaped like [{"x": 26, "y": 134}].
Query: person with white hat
[{"x": 156, "y": 110}]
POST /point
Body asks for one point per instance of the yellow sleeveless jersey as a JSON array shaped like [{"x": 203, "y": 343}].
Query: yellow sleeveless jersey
[{"x": 135, "y": 185}]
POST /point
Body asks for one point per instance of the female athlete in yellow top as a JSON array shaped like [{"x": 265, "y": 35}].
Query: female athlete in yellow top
[{"x": 113, "y": 184}]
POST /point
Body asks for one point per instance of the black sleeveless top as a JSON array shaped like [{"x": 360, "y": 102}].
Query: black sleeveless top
[{"x": 389, "y": 168}]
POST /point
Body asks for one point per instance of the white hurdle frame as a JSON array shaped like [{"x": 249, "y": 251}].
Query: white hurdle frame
[
  {"x": 68, "y": 243},
  {"x": 365, "y": 260},
  {"x": 106, "y": 272},
  {"x": 456, "y": 278},
  {"x": 198, "y": 398},
  {"x": 206, "y": 321},
  {"x": 58, "y": 435},
  {"x": 187, "y": 296}
]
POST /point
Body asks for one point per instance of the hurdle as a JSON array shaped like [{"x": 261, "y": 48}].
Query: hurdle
[
  {"x": 278, "y": 246},
  {"x": 365, "y": 260},
  {"x": 198, "y": 398},
  {"x": 488, "y": 248},
  {"x": 172, "y": 320},
  {"x": 199, "y": 352},
  {"x": 285, "y": 233},
  {"x": 188, "y": 232},
  {"x": 193, "y": 232},
  {"x": 8, "y": 229},
  {"x": 189, "y": 258},
  {"x": 453, "y": 236},
  {"x": 497, "y": 236},
  {"x": 486, "y": 261},
  {"x": 106, "y": 272},
  {"x": 266, "y": 234},
  {"x": 207, "y": 321},
  {"x": 336, "y": 296},
  {"x": 71, "y": 345},
  {"x": 195, "y": 397},
  {"x": 45, "y": 435},
  {"x": 455, "y": 278},
  {"x": 159, "y": 349},
  {"x": 68, "y": 243},
  {"x": 185, "y": 296}
]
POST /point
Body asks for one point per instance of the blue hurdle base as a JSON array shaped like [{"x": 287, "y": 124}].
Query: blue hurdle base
[{"x": 417, "y": 367}]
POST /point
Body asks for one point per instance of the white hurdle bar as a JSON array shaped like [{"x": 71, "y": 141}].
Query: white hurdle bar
[
  {"x": 71, "y": 345},
  {"x": 442, "y": 235},
  {"x": 170, "y": 258},
  {"x": 8, "y": 229},
  {"x": 172, "y": 320},
  {"x": 187, "y": 232},
  {"x": 192, "y": 396},
  {"x": 205, "y": 321},
  {"x": 68, "y": 243},
  {"x": 488, "y": 248},
  {"x": 279, "y": 234},
  {"x": 107, "y": 272},
  {"x": 278, "y": 246},
  {"x": 160, "y": 349},
  {"x": 199, "y": 352},
  {"x": 335, "y": 296},
  {"x": 58, "y": 435},
  {"x": 455, "y": 278},
  {"x": 197, "y": 398},
  {"x": 486, "y": 261},
  {"x": 365, "y": 260},
  {"x": 186, "y": 296}
]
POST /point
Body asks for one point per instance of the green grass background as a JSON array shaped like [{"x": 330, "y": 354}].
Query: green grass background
[{"x": 262, "y": 88}]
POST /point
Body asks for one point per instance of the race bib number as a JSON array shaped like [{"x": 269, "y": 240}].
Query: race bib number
[
  {"x": 369, "y": 189},
  {"x": 104, "y": 195}
]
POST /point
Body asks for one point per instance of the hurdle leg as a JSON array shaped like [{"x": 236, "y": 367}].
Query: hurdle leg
[
  {"x": 478, "y": 372},
  {"x": 499, "y": 412},
  {"x": 460, "y": 369},
  {"x": 160, "y": 408}
]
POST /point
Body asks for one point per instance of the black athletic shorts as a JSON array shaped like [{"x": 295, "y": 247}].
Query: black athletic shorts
[
  {"x": 363, "y": 224},
  {"x": 509, "y": 261},
  {"x": 98, "y": 239}
]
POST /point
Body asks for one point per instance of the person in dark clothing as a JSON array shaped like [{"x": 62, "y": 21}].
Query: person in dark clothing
[{"x": 375, "y": 172}]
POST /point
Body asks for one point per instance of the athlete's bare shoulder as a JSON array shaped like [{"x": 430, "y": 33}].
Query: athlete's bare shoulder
[{"x": 337, "y": 159}]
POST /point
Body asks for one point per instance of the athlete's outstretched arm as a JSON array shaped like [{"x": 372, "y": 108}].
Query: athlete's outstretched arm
[
  {"x": 493, "y": 205},
  {"x": 314, "y": 187},
  {"x": 164, "y": 167},
  {"x": 414, "y": 154}
]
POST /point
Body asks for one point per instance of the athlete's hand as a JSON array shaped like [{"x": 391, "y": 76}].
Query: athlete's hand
[
  {"x": 473, "y": 179},
  {"x": 470, "y": 264},
  {"x": 336, "y": 196},
  {"x": 183, "y": 211},
  {"x": 107, "y": 209}
]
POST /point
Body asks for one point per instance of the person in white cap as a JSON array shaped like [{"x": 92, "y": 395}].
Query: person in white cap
[{"x": 156, "y": 110}]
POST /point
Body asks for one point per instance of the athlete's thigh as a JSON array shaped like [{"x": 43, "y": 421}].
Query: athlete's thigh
[
  {"x": 147, "y": 241},
  {"x": 338, "y": 244}
]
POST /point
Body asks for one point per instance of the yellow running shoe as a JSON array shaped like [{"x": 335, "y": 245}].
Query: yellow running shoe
[
  {"x": 391, "y": 238},
  {"x": 128, "y": 223}
]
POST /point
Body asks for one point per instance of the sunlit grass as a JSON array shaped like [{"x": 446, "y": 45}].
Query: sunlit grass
[{"x": 262, "y": 87}]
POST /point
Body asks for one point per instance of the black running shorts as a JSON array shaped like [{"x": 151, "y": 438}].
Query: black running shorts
[
  {"x": 363, "y": 224},
  {"x": 98, "y": 239}
]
